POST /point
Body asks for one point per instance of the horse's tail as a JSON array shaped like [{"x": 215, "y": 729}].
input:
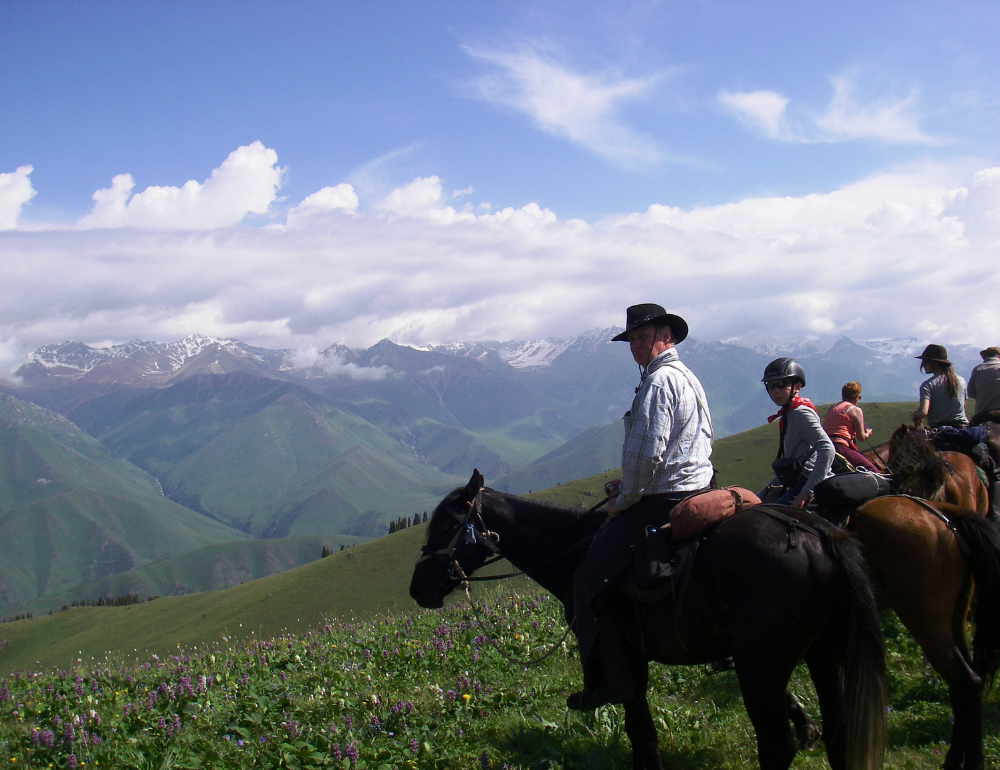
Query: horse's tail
[
  {"x": 982, "y": 539},
  {"x": 862, "y": 660}
]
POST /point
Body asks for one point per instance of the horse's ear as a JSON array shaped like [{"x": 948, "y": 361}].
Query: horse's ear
[{"x": 476, "y": 483}]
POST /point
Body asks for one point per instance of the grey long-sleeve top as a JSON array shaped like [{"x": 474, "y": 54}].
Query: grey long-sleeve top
[{"x": 807, "y": 442}]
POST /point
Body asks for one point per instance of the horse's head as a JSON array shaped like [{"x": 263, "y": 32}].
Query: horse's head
[
  {"x": 917, "y": 469},
  {"x": 457, "y": 544}
]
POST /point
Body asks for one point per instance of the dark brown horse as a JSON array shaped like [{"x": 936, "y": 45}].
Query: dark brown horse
[
  {"x": 918, "y": 469},
  {"x": 924, "y": 561},
  {"x": 763, "y": 590}
]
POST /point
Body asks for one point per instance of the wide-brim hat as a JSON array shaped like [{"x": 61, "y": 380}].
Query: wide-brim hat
[
  {"x": 938, "y": 353},
  {"x": 989, "y": 352},
  {"x": 648, "y": 313}
]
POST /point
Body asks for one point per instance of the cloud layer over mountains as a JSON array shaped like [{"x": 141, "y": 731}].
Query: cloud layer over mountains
[{"x": 909, "y": 253}]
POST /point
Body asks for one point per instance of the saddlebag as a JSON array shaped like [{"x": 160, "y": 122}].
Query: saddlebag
[
  {"x": 693, "y": 515},
  {"x": 848, "y": 491}
]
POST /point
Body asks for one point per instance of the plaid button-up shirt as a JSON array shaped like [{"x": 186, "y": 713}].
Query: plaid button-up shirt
[{"x": 668, "y": 433}]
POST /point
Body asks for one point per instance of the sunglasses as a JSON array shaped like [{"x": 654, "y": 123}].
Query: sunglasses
[{"x": 779, "y": 384}]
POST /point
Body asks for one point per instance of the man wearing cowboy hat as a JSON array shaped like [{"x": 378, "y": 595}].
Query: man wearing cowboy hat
[
  {"x": 665, "y": 458},
  {"x": 984, "y": 386}
]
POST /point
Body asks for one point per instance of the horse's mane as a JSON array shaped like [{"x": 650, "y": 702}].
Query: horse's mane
[
  {"x": 916, "y": 466},
  {"x": 542, "y": 506}
]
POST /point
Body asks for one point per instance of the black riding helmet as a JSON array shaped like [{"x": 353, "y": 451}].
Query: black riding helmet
[{"x": 784, "y": 369}]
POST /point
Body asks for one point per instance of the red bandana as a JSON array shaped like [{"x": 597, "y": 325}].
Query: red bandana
[{"x": 795, "y": 402}]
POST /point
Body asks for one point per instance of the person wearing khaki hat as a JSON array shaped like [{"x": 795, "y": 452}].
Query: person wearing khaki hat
[
  {"x": 942, "y": 396},
  {"x": 984, "y": 386}
]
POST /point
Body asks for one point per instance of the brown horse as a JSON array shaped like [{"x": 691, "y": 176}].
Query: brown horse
[
  {"x": 918, "y": 469},
  {"x": 925, "y": 559}
]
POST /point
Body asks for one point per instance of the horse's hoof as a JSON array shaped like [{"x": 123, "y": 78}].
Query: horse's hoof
[{"x": 808, "y": 737}]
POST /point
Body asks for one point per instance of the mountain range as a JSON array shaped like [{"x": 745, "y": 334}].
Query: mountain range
[{"x": 278, "y": 443}]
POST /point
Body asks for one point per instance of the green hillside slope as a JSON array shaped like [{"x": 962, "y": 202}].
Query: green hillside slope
[
  {"x": 209, "y": 568},
  {"x": 266, "y": 456},
  {"x": 70, "y": 511},
  {"x": 745, "y": 458},
  {"x": 360, "y": 581},
  {"x": 593, "y": 451}
]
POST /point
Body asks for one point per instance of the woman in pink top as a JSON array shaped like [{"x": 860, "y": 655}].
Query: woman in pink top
[{"x": 845, "y": 423}]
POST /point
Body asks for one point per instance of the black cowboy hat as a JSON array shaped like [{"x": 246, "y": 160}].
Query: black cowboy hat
[
  {"x": 937, "y": 353},
  {"x": 640, "y": 315}
]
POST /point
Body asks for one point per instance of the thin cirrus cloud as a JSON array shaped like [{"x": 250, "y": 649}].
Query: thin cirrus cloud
[
  {"x": 412, "y": 268},
  {"x": 890, "y": 121},
  {"x": 582, "y": 108},
  {"x": 15, "y": 192},
  {"x": 246, "y": 182}
]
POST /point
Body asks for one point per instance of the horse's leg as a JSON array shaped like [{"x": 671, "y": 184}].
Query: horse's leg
[
  {"x": 942, "y": 638},
  {"x": 825, "y": 675},
  {"x": 639, "y": 724},
  {"x": 807, "y": 732},
  {"x": 763, "y": 683}
]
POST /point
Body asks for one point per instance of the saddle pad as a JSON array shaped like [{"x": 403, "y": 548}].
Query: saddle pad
[
  {"x": 693, "y": 515},
  {"x": 848, "y": 491}
]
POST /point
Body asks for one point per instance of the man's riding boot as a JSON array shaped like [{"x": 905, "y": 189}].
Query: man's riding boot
[{"x": 608, "y": 680}]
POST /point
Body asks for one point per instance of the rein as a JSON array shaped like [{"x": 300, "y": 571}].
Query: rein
[
  {"x": 490, "y": 539},
  {"x": 498, "y": 557}
]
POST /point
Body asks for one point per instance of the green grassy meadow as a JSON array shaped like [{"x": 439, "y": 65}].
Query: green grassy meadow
[
  {"x": 331, "y": 665},
  {"x": 412, "y": 690}
]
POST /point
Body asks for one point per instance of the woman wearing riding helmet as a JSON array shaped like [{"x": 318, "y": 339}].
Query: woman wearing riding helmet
[
  {"x": 942, "y": 396},
  {"x": 805, "y": 452}
]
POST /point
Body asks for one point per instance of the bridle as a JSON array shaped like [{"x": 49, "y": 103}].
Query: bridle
[
  {"x": 472, "y": 526},
  {"x": 474, "y": 529}
]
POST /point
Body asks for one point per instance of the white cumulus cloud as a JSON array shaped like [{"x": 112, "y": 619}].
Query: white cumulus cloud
[
  {"x": 245, "y": 183},
  {"x": 339, "y": 198},
  {"x": 862, "y": 259},
  {"x": 583, "y": 108},
  {"x": 15, "y": 191}
]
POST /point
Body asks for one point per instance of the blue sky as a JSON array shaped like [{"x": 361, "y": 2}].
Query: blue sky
[
  {"x": 588, "y": 111},
  {"x": 165, "y": 90}
]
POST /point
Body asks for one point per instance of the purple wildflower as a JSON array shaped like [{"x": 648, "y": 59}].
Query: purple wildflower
[
  {"x": 347, "y": 721},
  {"x": 71, "y": 762},
  {"x": 352, "y": 753},
  {"x": 414, "y": 746}
]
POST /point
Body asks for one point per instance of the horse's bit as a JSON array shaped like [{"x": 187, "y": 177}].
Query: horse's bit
[{"x": 474, "y": 529}]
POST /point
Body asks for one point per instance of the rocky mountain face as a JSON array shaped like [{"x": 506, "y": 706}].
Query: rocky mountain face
[{"x": 275, "y": 443}]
